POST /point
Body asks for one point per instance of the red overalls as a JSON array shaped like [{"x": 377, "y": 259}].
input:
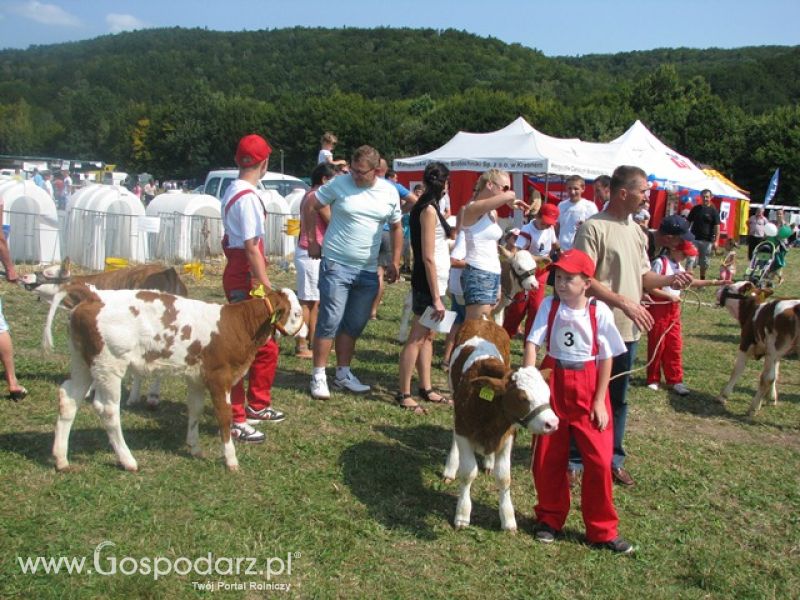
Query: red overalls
[
  {"x": 572, "y": 389},
  {"x": 668, "y": 354},
  {"x": 236, "y": 282}
]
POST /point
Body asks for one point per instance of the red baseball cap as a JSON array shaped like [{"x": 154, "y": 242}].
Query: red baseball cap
[
  {"x": 574, "y": 261},
  {"x": 687, "y": 247},
  {"x": 548, "y": 213},
  {"x": 252, "y": 149}
]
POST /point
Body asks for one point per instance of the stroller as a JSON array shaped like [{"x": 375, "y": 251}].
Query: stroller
[{"x": 769, "y": 258}]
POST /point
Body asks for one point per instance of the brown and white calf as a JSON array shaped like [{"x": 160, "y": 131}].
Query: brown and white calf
[
  {"x": 212, "y": 345},
  {"x": 491, "y": 401},
  {"x": 769, "y": 328},
  {"x": 52, "y": 288},
  {"x": 517, "y": 274}
]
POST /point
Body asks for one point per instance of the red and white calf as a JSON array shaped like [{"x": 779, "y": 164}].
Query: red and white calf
[
  {"x": 518, "y": 274},
  {"x": 769, "y": 328},
  {"x": 52, "y": 288},
  {"x": 491, "y": 402},
  {"x": 212, "y": 345}
]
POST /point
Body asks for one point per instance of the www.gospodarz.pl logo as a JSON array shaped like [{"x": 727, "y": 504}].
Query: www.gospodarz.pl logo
[{"x": 105, "y": 563}]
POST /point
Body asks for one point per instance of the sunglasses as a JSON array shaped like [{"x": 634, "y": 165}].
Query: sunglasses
[{"x": 503, "y": 188}]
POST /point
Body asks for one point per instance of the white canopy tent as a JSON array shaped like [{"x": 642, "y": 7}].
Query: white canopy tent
[
  {"x": 517, "y": 148},
  {"x": 190, "y": 226},
  {"x": 104, "y": 221},
  {"x": 32, "y": 222}
]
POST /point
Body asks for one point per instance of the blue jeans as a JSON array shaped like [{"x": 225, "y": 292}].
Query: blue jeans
[
  {"x": 345, "y": 299},
  {"x": 618, "y": 391}
]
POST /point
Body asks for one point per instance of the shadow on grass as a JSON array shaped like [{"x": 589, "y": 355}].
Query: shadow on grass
[
  {"x": 705, "y": 405},
  {"x": 388, "y": 479},
  {"x": 165, "y": 429}
]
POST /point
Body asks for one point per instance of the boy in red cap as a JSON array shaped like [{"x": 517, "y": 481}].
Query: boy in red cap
[
  {"x": 243, "y": 215},
  {"x": 665, "y": 307},
  {"x": 581, "y": 342},
  {"x": 539, "y": 238}
]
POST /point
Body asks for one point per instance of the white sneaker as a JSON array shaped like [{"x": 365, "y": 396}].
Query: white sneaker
[
  {"x": 319, "y": 388},
  {"x": 351, "y": 383},
  {"x": 653, "y": 386},
  {"x": 680, "y": 389},
  {"x": 243, "y": 432}
]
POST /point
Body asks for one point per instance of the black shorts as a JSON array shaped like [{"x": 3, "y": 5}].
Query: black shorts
[{"x": 420, "y": 301}]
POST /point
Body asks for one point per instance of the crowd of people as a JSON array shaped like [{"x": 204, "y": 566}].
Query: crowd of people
[{"x": 356, "y": 227}]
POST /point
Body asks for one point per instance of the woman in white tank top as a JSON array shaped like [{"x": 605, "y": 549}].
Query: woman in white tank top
[{"x": 481, "y": 277}]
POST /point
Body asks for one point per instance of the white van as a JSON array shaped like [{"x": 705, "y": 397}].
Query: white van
[{"x": 218, "y": 181}]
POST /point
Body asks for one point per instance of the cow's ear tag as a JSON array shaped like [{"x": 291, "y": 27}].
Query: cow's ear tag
[{"x": 486, "y": 393}]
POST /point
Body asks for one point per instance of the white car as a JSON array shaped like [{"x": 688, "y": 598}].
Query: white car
[{"x": 218, "y": 181}]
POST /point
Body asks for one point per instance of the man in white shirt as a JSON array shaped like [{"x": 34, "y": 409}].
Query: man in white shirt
[
  {"x": 573, "y": 211},
  {"x": 361, "y": 202}
]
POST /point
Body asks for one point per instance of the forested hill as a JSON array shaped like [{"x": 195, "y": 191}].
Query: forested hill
[
  {"x": 754, "y": 78},
  {"x": 152, "y": 64},
  {"x": 173, "y": 101}
]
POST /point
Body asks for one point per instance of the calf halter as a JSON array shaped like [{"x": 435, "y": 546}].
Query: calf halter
[
  {"x": 726, "y": 293},
  {"x": 525, "y": 421},
  {"x": 274, "y": 318}
]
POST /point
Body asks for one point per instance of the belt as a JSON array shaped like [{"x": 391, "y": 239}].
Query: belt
[{"x": 569, "y": 365}]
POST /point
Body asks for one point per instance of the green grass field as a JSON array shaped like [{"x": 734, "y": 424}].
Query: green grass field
[{"x": 350, "y": 489}]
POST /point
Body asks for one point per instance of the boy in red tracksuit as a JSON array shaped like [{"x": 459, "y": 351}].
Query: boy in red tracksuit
[
  {"x": 665, "y": 307},
  {"x": 581, "y": 342},
  {"x": 539, "y": 238}
]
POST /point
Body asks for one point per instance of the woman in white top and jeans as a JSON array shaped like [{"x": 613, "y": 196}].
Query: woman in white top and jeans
[{"x": 481, "y": 277}]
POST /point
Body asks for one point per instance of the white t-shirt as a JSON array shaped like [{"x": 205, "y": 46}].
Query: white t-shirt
[
  {"x": 245, "y": 219},
  {"x": 324, "y": 156},
  {"x": 459, "y": 252},
  {"x": 444, "y": 204},
  {"x": 570, "y": 214},
  {"x": 672, "y": 267},
  {"x": 353, "y": 237},
  {"x": 538, "y": 242},
  {"x": 572, "y": 332}
]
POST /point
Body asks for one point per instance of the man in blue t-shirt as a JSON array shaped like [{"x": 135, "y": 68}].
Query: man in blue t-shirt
[{"x": 361, "y": 202}]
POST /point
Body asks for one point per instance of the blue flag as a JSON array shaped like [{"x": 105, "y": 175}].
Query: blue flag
[{"x": 772, "y": 187}]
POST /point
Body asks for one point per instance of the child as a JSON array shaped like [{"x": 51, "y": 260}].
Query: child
[
  {"x": 581, "y": 341},
  {"x": 665, "y": 354},
  {"x": 327, "y": 142},
  {"x": 727, "y": 270},
  {"x": 539, "y": 238}
]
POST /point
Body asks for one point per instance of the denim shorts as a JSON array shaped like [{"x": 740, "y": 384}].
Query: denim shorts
[
  {"x": 705, "y": 250},
  {"x": 345, "y": 299},
  {"x": 480, "y": 287}
]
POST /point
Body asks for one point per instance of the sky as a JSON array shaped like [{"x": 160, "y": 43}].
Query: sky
[{"x": 557, "y": 28}]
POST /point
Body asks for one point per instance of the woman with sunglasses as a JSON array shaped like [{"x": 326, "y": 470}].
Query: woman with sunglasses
[{"x": 481, "y": 276}]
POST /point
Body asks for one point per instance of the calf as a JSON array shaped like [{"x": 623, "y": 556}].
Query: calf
[
  {"x": 52, "y": 287},
  {"x": 517, "y": 274},
  {"x": 769, "y": 328},
  {"x": 212, "y": 345},
  {"x": 491, "y": 401}
]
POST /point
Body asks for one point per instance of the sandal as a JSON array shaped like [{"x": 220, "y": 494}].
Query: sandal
[
  {"x": 17, "y": 395},
  {"x": 428, "y": 396},
  {"x": 400, "y": 399}
]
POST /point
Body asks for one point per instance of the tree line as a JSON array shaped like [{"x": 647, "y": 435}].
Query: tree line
[{"x": 173, "y": 102}]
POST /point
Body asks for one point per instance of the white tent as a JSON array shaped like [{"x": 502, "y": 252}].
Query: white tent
[
  {"x": 638, "y": 146},
  {"x": 190, "y": 226},
  {"x": 516, "y": 148},
  {"x": 32, "y": 222},
  {"x": 104, "y": 221},
  {"x": 519, "y": 147}
]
